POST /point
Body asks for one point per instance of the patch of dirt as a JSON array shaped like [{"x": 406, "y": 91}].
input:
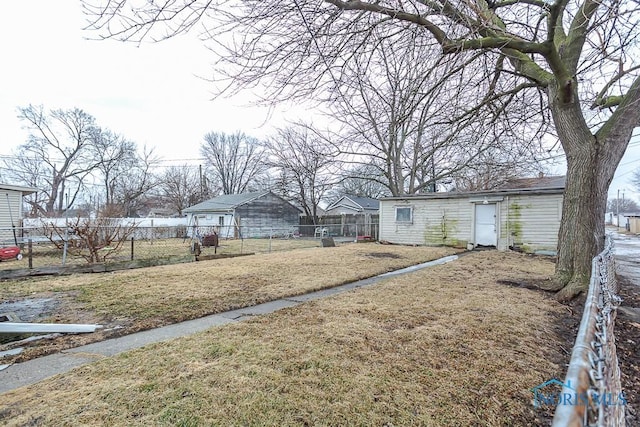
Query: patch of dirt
[
  {"x": 627, "y": 345},
  {"x": 59, "y": 307},
  {"x": 26, "y": 310},
  {"x": 383, "y": 255},
  {"x": 566, "y": 329},
  {"x": 627, "y": 331},
  {"x": 536, "y": 285},
  {"x": 29, "y": 309}
]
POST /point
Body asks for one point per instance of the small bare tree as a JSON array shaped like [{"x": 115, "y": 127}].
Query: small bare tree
[
  {"x": 115, "y": 155},
  {"x": 94, "y": 240},
  {"x": 180, "y": 187}
]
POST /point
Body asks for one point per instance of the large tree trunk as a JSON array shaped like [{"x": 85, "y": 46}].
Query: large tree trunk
[
  {"x": 581, "y": 234},
  {"x": 591, "y": 164}
]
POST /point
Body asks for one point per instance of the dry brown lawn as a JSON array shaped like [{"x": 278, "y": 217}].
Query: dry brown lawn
[
  {"x": 182, "y": 291},
  {"x": 441, "y": 347},
  {"x": 128, "y": 301}
]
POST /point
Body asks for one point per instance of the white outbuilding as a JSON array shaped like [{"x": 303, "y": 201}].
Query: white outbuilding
[{"x": 523, "y": 215}]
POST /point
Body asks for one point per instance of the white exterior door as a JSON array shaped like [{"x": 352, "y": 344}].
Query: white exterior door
[{"x": 485, "y": 225}]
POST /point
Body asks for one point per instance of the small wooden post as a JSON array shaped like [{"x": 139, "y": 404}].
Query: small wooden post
[
  {"x": 30, "y": 253},
  {"x": 131, "y": 248}
]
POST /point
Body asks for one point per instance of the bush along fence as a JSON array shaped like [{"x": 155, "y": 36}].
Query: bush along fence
[{"x": 592, "y": 392}]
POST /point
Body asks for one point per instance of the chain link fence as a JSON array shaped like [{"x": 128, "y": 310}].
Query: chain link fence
[
  {"x": 171, "y": 244},
  {"x": 592, "y": 391}
]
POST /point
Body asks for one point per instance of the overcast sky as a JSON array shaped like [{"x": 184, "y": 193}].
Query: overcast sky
[{"x": 154, "y": 94}]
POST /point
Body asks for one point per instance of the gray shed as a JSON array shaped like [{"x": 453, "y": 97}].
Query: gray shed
[
  {"x": 11, "y": 212},
  {"x": 245, "y": 215},
  {"x": 523, "y": 215}
]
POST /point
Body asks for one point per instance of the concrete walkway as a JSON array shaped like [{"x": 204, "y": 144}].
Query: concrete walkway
[
  {"x": 32, "y": 371},
  {"x": 626, "y": 249}
]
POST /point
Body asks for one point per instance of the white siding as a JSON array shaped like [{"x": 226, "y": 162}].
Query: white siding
[
  {"x": 533, "y": 222},
  {"x": 15, "y": 203},
  {"x": 207, "y": 222},
  {"x": 343, "y": 209},
  {"x": 435, "y": 222},
  {"x": 530, "y": 222}
]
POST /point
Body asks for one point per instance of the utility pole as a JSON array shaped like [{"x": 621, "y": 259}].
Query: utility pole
[
  {"x": 201, "y": 184},
  {"x": 625, "y": 225},
  {"x": 618, "y": 209}
]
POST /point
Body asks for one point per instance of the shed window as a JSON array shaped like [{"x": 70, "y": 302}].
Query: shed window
[{"x": 404, "y": 214}]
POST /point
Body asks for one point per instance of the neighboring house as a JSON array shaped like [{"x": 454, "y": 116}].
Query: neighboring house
[
  {"x": 523, "y": 215},
  {"x": 620, "y": 220},
  {"x": 630, "y": 221},
  {"x": 244, "y": 215},
  {"x": 11, "y": 210},
  {"x": 349, "y": 205},
  {"x": 352, "y": 216},
  {"x": 157, "y": 212}
]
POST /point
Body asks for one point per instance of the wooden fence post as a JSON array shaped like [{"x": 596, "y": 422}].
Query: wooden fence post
[{"x": 30, "y": 253}]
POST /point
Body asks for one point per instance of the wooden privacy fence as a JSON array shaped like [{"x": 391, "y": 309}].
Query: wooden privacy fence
[
  {"x": 348, "y": 225},
  {"x": 592, "y": 391}
]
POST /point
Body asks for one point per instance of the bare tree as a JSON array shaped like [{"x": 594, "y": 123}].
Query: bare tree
[
  {"x": 180, "y": 187},
  {"x": 57, "y": 158},
  {"x": 114, "y": 155},
  {"x": 132, "y": 189},
  {"x": 396, "y": 112},
  {"x": 625, "y": 205},
  {"x": 237, "y": 161},
  {"x": 32, "y": 172},
  {"x": 580, "y": 54},
  {"x": 304, "y": 163},
  {"x": 635, "y": 179},
  {"x": 495, "y": 168},
  {"x": 361, "y": 181}
]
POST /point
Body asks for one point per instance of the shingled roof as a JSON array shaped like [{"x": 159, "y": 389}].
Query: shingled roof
[
  {"x": 538, "y": 185},
  {"x": 541, "y": 182},
  {"x": 356, "y": 203},
  {"x": 225, "y": 202}
]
